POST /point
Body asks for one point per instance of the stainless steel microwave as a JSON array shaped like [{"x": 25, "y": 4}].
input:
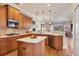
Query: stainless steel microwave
[{"x": 13, "y": 23}]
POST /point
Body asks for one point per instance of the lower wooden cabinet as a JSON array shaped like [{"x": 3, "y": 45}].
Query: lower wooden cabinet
[
  {"x": 12, "y": 44},
  {"x": 7, "y": 45},
  {"x": 3, "y": 46}
]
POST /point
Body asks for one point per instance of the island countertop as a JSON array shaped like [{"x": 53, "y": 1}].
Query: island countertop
[
  {"x": 50, "y": 33},
  {"x": 32, "y": 40}
]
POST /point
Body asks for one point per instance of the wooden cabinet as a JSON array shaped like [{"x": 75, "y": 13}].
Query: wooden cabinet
[
  {"x": 12, "y": 44},
  {"x": 21, "y": 49},
  {"x": 7, "y": 45},
  {"x": 29, "y": 21},
  {"x": 26, "y": 22},
  {"x": 21, "y": 20},
  {"x": 3, "y": 46},
  {"x": 55, "y": 41},
  {"x": 58, "y": 42},
  {"x": 15, "y": 14},
  {"x": 10, "y": 12},
  {"x": 50, "y": 40},
  {"x": 3, "y": 17}
]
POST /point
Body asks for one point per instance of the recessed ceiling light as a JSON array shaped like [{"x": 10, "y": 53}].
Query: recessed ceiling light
[{"x": 48, "y": 4}]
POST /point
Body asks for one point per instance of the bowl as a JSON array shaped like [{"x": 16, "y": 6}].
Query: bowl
[{"x": 33, "y": 36}]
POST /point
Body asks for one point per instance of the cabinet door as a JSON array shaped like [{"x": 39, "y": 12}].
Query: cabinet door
[
  {"x": 12, "y": 44},
  {"x": 29, "y": 21},
  {"x": 10, "y": 12},
  {"x": 21, "y": 20},
  {"x": 58, "y": 43},
  {"x": 25, "y": 22},
  {"x": 9, "y": 43},
  {"x": 3, "y": 17},
  {"x": 21, "y": 49},
  {"x": 15, "y": 14},
  {"x": 50, "y": 40},
  {"x": 3, "y": 46}
]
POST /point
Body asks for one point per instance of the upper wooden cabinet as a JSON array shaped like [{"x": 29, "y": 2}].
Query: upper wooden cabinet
[
  {"x": 10, "y": 12},
  {"x": 20, "y": 21},
  {"x": 13, "y": 13},
  {"x": 3, "y": 17},
  {"x": 27, "y": 22}
]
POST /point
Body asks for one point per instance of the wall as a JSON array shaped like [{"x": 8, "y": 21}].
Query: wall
[{"x": 76, "y": 30}]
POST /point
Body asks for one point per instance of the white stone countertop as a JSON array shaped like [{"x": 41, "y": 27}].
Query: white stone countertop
[
  {"x": 4, "y": 36},
  {"x": 32, "y": 40},
  {"x": 51, "y": 33}
]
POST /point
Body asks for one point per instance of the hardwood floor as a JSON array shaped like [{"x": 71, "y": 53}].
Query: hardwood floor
[{"x": 49, "y": 52}]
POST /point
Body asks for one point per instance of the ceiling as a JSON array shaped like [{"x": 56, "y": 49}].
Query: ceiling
[{"x": 60, "y": 10}]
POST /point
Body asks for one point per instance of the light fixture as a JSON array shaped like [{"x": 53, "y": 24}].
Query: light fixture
[{"x": 48, "y": 5}]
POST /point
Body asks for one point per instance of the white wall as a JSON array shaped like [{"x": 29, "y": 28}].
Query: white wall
[{"x": 76, "y": 30}]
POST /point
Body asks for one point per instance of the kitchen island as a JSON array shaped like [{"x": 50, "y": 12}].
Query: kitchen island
[
  {"x": 55, "y": 39},
  {"x": 31, "y": 46}
]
